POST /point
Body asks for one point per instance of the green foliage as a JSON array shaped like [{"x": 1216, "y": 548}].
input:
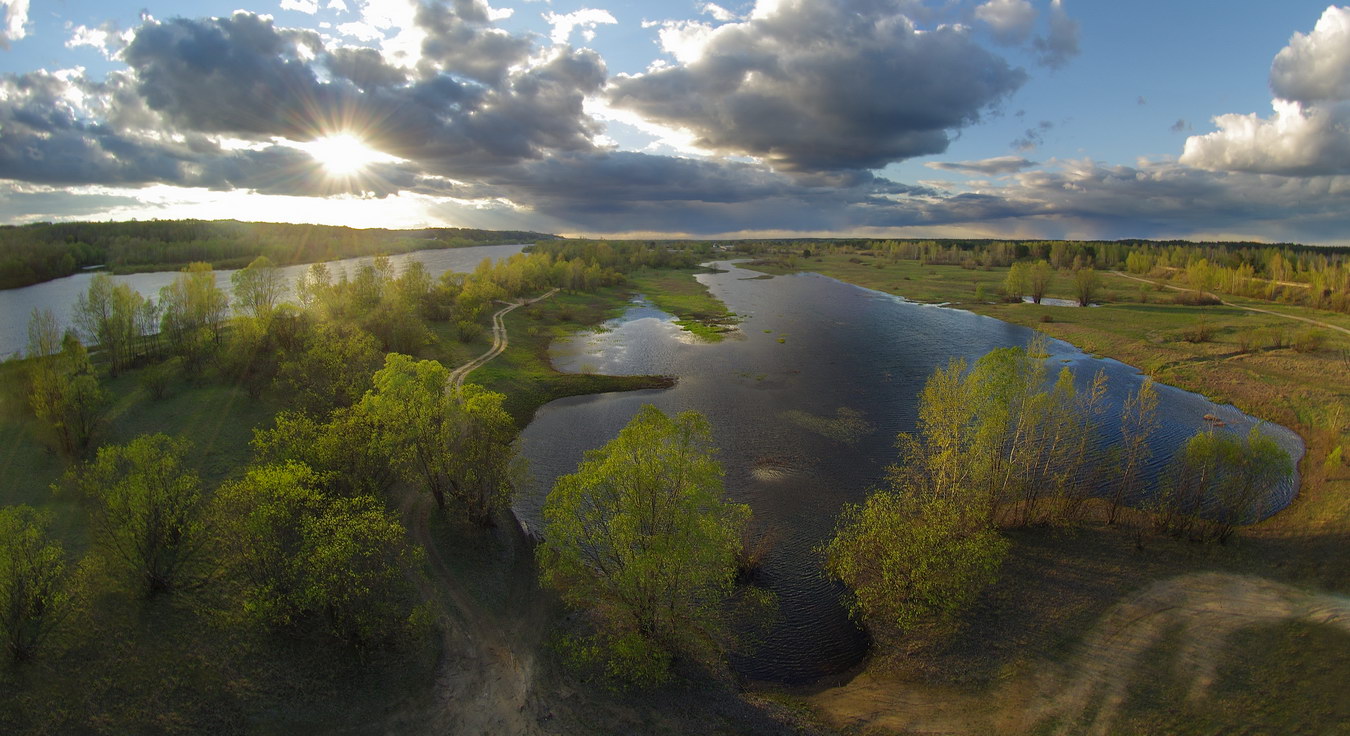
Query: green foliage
[
  {"x": 1138, "y": 421},
  {"x": 912, "y": 562},
  {"x": 261, "y": 518},
  {"x": 65, "y": 395},
  {"x": 34, "y": 594},
  {"x": 1016, "y": 283},
  {"x": 1086, "y": 284},
  {"x": 353, "y": 565},
  {"x": 453, "y": 441},
  {"x": 333, "y": 369},
  {"x": 1309, "y": 340},
  {"x": 349, "y": 448},
  {"x": 1218, "y": 482},
  {"x": 1039, "y": 278},
  {"x": 146, "y": 508},
  {"x": 258, "y": 287},
  {"x": 642, "y": 538},
  {"x": 189, "y": 305}
]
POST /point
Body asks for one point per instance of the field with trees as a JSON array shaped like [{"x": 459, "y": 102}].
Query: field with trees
[{"x": 289, "y": 519}]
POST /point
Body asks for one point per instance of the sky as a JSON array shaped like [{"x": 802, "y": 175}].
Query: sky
[{"x": 1199, "y": 119}]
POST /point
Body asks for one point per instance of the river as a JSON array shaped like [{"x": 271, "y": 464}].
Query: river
[
  {"x": 59, "y": 295},
  {"x": 808, "y": 347}
]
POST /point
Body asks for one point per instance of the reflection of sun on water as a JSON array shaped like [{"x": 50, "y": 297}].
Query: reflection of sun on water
[{"x": 344, "y": 154}]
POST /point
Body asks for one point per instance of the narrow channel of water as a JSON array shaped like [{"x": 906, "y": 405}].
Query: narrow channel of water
[
  {"x": 805, "y": 403},
  {"x": 59, "y": 295}
]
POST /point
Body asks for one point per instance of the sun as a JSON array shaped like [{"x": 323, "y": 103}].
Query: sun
[{"x": 344, "y": 155}]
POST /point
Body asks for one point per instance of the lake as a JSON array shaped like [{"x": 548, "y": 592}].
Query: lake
[
  {"x": 59, "y": 295},
  {"x": 808, "y": 347}
]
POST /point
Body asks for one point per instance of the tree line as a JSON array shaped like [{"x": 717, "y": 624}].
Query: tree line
[{"x": 30, "y": 254}]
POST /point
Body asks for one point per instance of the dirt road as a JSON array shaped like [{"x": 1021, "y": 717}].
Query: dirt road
[
  {"x": 499, "y": 340},
  {"x": 1239, "y": 306}
]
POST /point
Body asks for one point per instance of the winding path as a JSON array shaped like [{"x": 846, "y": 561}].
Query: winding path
[
  {"x": 499, "y": 340},
  {"x": 1239, "y": 306}
]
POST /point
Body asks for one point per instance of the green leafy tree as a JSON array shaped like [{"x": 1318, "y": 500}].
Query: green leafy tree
[
  {"x": 453, "y": 441},
  {"x": 192, "y": 303},
  {"x": 911, "y": 560},
  {"x": 1138, "y": 421},
  {"x": 1220, "y": 481},
  {"x": 34, "y": 594},
  {"x": 64, "y": 393},
  {"x": 1086, "y": 284},
  {"x": 1038, "y": 280},
  {"x": 354, "y": 567},
  {"x": 262, "y": 517},
  {"x": 333, "y": 369},
  {"x": 147, "y": 508},
  {"x": 642, "y": 538},
  {"x": 258, "y": 287},
  {"x": 349, "y": 449},
  {"x": 1015, "y": 284}
]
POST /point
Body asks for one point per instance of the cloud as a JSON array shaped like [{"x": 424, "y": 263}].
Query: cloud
[
  {"x": 1033, "y": 137},
  {"x": 309, "y": 7},
  {"x": 1009, "y": 20},
  {"x": 1061, "y": 42},
  {"x": 1308, "y": 133},
  {"x": 819, "y": 85},
  {"x": 586, "y": 19},
  {"x": 718, "y": 13},
  {"x": 13, "y": 21},
  {"x": 989, "y": 166}
]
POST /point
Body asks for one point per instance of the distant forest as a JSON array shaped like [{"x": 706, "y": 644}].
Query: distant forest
[{"x": 30, "y": 254}]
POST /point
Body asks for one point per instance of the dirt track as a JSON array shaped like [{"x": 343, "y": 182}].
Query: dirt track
[
  {"x": 1239, "y": 306},
  {"x": 1085, "y": 695},
  {"x": 500, "y": 340}
]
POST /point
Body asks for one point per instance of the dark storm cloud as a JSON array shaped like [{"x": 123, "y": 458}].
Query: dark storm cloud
[
  {"x": 825, "y": 85},
  {"x": 458, "y": 41}
]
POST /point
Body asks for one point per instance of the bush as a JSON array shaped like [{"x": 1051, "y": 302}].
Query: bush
[
  {"x": 1199, "y": 332},
  {"x": 155, "y": 380},
  {"x": 1309, "y": 340},
  {"x": 1195, "y": 299}
]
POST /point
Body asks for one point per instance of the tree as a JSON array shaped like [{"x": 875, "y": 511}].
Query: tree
[
  {"x": 1038, "y": 280},
  {"x": 33, "y": 591},
  {"x": 333, "y": 370},
  {"x": 1218, "y": 482},
  {"x": 453, "y": 441},
  {"x": 191, "y": 303},
  {"x": 262, "y": 517},
  {"x": 349, "y": 449},
  {"x": 147, "y": 507},
  {"x": 642, "y": 538},
  {"x": 44, "y": 334},
  {"x": 1138, "y": 420},
  {"x": 1086, "y": 283},
  {"x": 65, "y": 394},
  {"x": 258, "y": 287},
  {"x": 1015, "y": 284},
  {"x": 911, "y": 560},
  {"x": 354, "y": 565}
]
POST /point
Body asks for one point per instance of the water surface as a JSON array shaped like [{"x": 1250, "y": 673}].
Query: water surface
[
  {"x": 59, "y": 295},
  {"x": 809, "y": 347}
]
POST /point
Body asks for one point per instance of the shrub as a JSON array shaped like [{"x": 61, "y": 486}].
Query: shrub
[
  {"x": 1201, "y": 331},
  {"x": 1309, "y": 340}
]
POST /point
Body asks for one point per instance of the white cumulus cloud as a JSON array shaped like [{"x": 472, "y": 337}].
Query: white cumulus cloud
[
  {"x": 1309, "y": 132},
  {"x": 586, "y": 19},
  {"x": 13, "y": 21},
  {"x": 1009, "y": 20}
]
